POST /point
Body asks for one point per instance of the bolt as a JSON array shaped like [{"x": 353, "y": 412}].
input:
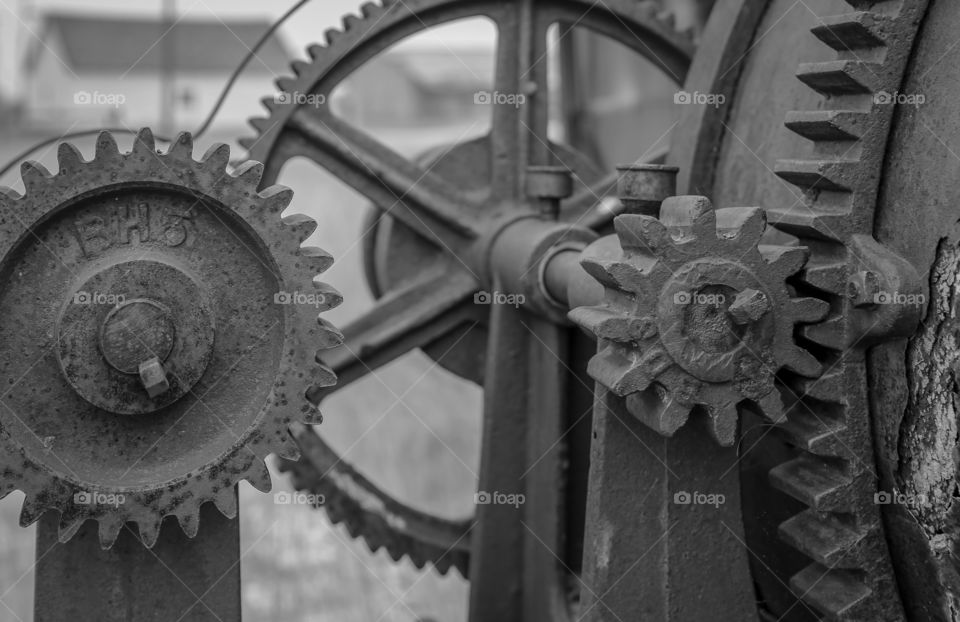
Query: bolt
[
  {"x": 643, "y": 187},
  {"x": 153, "y": 377},
  {"x": 863, "y": 288},
  {"x": 547, "y": 185},
  {"x": 748, "y": 306}
]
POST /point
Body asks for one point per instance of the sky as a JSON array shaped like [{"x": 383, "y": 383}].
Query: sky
[{"x": 19, "y": 21}]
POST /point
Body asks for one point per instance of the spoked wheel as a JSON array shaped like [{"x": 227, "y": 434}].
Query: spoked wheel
[{"x": 447, "y": 216}]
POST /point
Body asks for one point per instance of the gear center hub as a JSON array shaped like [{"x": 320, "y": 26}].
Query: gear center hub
[{"x": 135, "y": 336}]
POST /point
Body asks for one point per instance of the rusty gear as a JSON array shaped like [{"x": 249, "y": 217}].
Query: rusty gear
[
  {"x": 165, "y": 353},
  {"x": 366, "y": 511},
  {"x": 697, "y": 314},
  {"x": 850, "y": 575}
]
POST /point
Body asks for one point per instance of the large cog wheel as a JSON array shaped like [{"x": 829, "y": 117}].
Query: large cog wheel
[
  {"x": 388, "y": 179},
  {"x": 697, "y": 315},
  {"x": 164, "y": 355}
]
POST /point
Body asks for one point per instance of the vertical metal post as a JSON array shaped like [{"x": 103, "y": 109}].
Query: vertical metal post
[
  {"x": 167, "y": 61},
  {"x": 180, "y": 578}
]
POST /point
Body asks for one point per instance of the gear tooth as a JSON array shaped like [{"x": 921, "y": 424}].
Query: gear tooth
[
  {"x": 277, "y": 198},
  {"x": 182, "y": 146},
  {"x": 145, "y": 143},
  {"x": 260, "y": 124},
  {"x": 330, "y": 335},
  {"x": 69, "y": 158},
  {"x": 300, "y": 67},
  {"x": 830, "y": 333},
  {"x": 288, "y": 449},
  {"x": 189, "y": 519},
  {"x": 34, "y": 175},
  {"x": 786, "y": 260},
  {"x": 217, "y": 157},
  {"x": 69, "y": 526},
  {"x": 110, "y": 526},
  {"x": 331, "y": 298},
  {"x": 310, "y": 414},
  {"x": 745, "y": 224},
  {"x": 771, "y": 405},
  {"x": 368, "y": 9},
  {"x": 615, "y": 370},
  {"x": 259, "y": 476},
  {"x": 300, "y": 226},
  {"x": 149, "y": 529},
  {"x": 271, "y": 102},
  {"x": 723, "y": 423},
  {"x": 226, "y": 501},
  {"x": 30, "y": 511},
  {"x": 332, "y": 35},
  {"x": 316, "y": 51},
  {"x": 350, "y": 21},
  {"x": 606, "y": 323},
  {"x": 802, "y": 362},
  {"x": 617, "y": 274},
  {"x": 663, "y": 414},
  {"x": 640, "y": 233},
  {"x": 809, "y": 309},
  {"x": 688, "y": 215},
  {"x": 818, "y": 175},
  {"x": 286, "y": 84},
  {"x": 250, "y": 173},
  {"x": 840, "y": 77},
  {"x": 319, "y": 259},
  {"x": 323, "y": 376},
  {"x": 827, "y": 277},
  {"x": 828, "y": 125},
  {"x": 106, "y": 149}
]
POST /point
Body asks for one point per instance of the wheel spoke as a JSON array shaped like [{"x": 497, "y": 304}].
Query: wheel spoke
[
  {"x": 516, "y": 545},
  {"x": 519, "y": 130},
  {"x": 403, "y": 320},
  {"x": 422, "y": 201}
]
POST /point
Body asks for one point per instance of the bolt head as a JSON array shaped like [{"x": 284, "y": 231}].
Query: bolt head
[
  {"x": 154, "y": 377},
  {"x": 748, "y": 306}
]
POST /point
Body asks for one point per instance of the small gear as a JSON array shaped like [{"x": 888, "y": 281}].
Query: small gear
[
  {"x": 154, "y": 317},
  {"x": 697, "y": 314}
]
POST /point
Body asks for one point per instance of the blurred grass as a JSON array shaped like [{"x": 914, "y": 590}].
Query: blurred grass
[{"x": 424, "y": 449}]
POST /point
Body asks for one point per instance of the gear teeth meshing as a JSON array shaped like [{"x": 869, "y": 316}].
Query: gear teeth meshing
[
  {"x": 839, "y": 203},
  {"x": 649, "y": 354}
]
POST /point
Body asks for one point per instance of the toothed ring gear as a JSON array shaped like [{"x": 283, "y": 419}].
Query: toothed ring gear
[
  {"x": 697, "y": 314},
  {"x": 164, "y": 353}
]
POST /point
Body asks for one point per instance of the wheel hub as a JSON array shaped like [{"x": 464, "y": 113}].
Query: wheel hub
[{"x": 121, "y": 319}]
